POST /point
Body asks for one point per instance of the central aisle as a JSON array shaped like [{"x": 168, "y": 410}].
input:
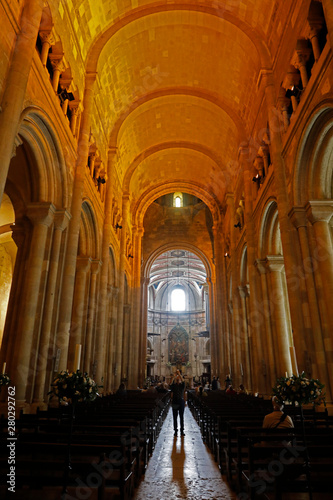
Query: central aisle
[{"x": 182, "y": 467}]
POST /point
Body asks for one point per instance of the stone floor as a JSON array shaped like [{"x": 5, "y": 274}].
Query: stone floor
[{"x": 182, "y": 467}]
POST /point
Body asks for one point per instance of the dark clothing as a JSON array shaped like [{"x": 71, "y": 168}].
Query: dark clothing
[
  {"x": 214, "y": 384},
  {"x": 178, "y": 404}
]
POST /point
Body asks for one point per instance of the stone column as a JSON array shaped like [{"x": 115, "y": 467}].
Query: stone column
[
  {"x": 92, "y": 157},
  {"x": 91, "y": 321},
  {"x": 47, "y": 40},
  {"x": 275, "y": 265},
  {"x": 266, "y": 312},
  {"x": 58, "y": 68},
  {"x": 102, "y": 308},
  {"x": 288, "y": 237},
  {"x": 313, "y": 336},
  {"x": 136, "y": 301},
  {"x": 328, "y": 13},
  {"x": 213, "y": 326},
  {"x": 121, "y": 296},
  {"x": 66, "y": 300},
  {"x": 143, "y": 335},
  {"x": 254, "y": 318},
  {"x": 41, "y": 215},
  {"x": 126, "y": 341},
  {"x": 45, "y": 351},
  {"x": 16, "y": 84},
  {"x": 302, "y": 55},
  {"x": 221, "y": 301},
  {"x": 79, "y": 313},
  {"x": 74, "y": 107},
  {"x": 320, "y": 213},
  {"x": 284, "y": 105},
  {"x": 314, "y": 32},
  {"x": 244, "y": 293}
]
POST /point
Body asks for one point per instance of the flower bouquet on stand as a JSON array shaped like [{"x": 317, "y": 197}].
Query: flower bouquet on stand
[
  {"x": 299, "y": 390},
  {"x": 72, "y": 388},
  {"x": 4, "y": 380}
]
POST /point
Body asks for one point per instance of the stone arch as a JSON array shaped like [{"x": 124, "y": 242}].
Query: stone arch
[
  {"x": 44, "y": 154},
  {"x": 269, "y": 233},
  {"x": 88, "y": 240},
  {"x": 313, "y": 178}
]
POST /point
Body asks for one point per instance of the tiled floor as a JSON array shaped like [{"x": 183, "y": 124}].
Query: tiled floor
[{"x": 182, "y": 467}]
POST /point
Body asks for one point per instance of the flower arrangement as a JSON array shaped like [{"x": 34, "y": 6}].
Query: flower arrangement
[
  {"x": 299, "y": 389},
  {"x": 74, "y": 387},
  {"x": 4, "y": 379}
]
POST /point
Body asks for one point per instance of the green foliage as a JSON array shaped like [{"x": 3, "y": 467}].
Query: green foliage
[
  {"x": 299, "y": 389},
  {"x": 74, "y": 387}
]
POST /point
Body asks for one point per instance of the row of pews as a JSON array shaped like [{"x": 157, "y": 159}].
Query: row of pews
[
  {"x": 266, "y": 463},
  {"x": 100, "y": 454}
]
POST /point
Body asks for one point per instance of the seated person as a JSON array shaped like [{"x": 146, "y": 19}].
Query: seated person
[
  {"x": 277, "y": 419},
  {"x": 202, "y": 391},
  {"x": 242, "y": 389},
  {"x": 231, "y": 390}
]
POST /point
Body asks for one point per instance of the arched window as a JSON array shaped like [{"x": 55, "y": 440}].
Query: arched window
[
  {"x": 178, "y": 200},
  {"x": 178, "y": 299}
]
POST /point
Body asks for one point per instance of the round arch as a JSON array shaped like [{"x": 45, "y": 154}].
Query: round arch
[
  {"x": 269, "y": 242},
  {"x": 313, "y": 178},
  {"x": 51, "y": 181},
  {"x": 149, "y": 196},
  {"x": 88, "y": 241},
  {"x": 210, "y": 270}
]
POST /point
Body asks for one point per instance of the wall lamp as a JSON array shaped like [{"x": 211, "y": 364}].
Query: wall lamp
[
  {"x": 101, "y": 180},
  {"x": 257, "y": 179},
  {"x": 227, "y": 255},
  {"x": 130, "y": 256},
  {"x": 238, "y": 225},
  {"x": 118, "y": 226}
]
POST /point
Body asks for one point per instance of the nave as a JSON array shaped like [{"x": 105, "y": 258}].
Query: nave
[{"x": 182, "y": 467}]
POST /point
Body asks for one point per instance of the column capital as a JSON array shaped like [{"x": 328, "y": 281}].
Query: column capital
[
  {"x": 83, "y": 264},
  {"x": 61, "y": 219},
  {"x": 230, "y": 198},
  {"x": 260, "y": 265},
  {"x": 244, "y": 291},
  {"x": 41, "y": 213},
  {"x": 298, "y": 217},
  {"x": 57, "y": 61},
  {"x": 319, "y": 210},
  {"x": 259, "y": 162},
  {"x": 46, "y": 36},
  {"x": 96, "y": 266},
  {"x": 274, "y": 263}
]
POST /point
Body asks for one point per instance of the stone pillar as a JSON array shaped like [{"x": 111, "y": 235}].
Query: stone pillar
[
  {"x": 246, "y": 347},
  {"x": 121, "y": 296},
  {"x": 221, "y": 300},
  {"x": 320, "y": 213},
  {"x": 313, "y": 337},
  {"x": 213, "y": 326},
  {"x": 16, "y": 84},
  {"x": 102, "y": 308},
  {"x": 254, "y": 318},
  {"x": 275, "y": 265},
  {"x": 288, "y": 237},
  {"x": 266, "y": 312},
  {"x": 91, "y": 321},
  {"x": 133, "y": 375},
  {"x": 79, "y": 313},
  {"x": 303, "y": 52},
  {"x": 126, "y": 341},
  {"x": 74, "y": 107},
  {"x": 92, "y": 157},
  {"x": 283, "y": 106},
  {"x": 314, "y": 32},
  {"x": 143, "y": 336},
  {"x": 58, "y": 68},
  {"x": 328, "y": 13},
  {"x": 47, "y": 40},
  {"x": 45, "y": 352},
  {"x": 41, "y": 215},
  {"x": 66, "y": 300}
]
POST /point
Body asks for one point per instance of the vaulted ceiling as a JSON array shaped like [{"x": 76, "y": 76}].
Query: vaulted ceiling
[{"x": 175, "y": 86}]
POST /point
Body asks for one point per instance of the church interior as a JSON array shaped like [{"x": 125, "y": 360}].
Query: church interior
[{"x": 165, "y": 192}]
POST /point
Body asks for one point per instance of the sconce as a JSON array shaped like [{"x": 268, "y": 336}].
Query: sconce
[
  {"x": 118, "y": 226},
  {"x": 227, "y": 255},
  {"x": 257, "y": 179},
  {"x": 101, "y": 180},
  {"x": 238, "y": 225},
  {"x": 130, "y": 256}
]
